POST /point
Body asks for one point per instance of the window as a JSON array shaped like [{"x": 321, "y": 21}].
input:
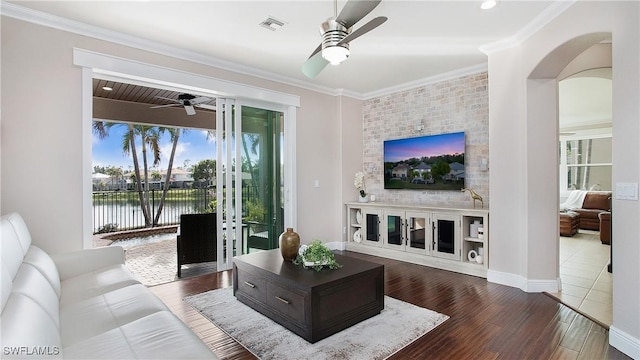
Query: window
[{"x": 585, "y": 163}]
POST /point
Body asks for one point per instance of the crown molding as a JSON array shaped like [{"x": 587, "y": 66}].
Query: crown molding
[
  {"x": 475, "y": 69},
  {"x": 545, "y": 17},
  {"x": 80, "y": 28}
]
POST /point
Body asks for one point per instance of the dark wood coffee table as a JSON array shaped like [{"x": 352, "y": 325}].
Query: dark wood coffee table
[{"x": 311, "y": 304}]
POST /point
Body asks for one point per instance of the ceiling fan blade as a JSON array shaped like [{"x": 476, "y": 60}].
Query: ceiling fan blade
[
  {"x": 198, "y": 100},
  {"x": 206, "y": 106},
  {"x": 314, "y": 65},
  {"x": 170, "y": 99},
  {"x": 163, "y": 106},
  {"x": 364, "y": 29},
  {"x": 317, "y": 50},
  {"x": 190, "y": 110},
  {"x": 354, "y": 10}
]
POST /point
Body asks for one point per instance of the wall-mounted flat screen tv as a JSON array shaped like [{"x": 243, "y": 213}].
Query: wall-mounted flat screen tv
[{"x": 432, "y": 162}]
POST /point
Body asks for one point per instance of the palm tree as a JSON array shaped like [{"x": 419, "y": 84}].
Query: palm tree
[
  {"x": 114, "y": 172},
  {"x": 254, "y": 140},
  {"x": 150, "y": 137},
  {"x": 175, "y": 136}
]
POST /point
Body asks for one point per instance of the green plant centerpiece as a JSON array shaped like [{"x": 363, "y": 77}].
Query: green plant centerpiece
[{"x": 316, "y": 255}]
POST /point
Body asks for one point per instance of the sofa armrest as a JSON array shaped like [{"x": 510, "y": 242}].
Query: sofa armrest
[{"x": 79, "y": 262}]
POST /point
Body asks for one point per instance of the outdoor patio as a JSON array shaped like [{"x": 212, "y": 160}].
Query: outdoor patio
[{"x": 155, "y": 262}]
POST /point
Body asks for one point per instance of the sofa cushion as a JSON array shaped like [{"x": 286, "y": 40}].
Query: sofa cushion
[
  {"x": 19, "y": 227},
  {"x": 7, "y": 282},
  {"x": 597, "y": 200},
  {"x": 114, "y": 309},
  {"x": 588, "y": 213},
  {"x": 28, "y": 328},
  {"x": 96, "y": 282},
  {"x": 42, "y": 262},
  {"x": 158, "y": 336},
  {"x": 11, "y": 251},
  {"x": 31, "y": 283}
]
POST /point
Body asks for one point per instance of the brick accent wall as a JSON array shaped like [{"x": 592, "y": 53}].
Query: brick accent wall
[{"x": 453, "y": 105}]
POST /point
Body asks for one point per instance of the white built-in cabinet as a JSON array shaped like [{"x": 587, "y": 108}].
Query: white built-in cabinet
[{"x": 446, "y": 238}]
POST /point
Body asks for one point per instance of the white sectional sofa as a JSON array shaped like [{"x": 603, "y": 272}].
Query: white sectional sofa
[{"x": 83, "y": 305}]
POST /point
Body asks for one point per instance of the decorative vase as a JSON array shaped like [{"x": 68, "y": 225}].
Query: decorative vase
[
  {"x": 473, "y": 229},
  {"x": 289, "y": 244},
  {"x": 364, "y": 199},
  {"x": 472, "y": 255}
]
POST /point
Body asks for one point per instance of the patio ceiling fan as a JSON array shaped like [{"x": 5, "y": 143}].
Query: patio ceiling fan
[
  {"x": 188, "y": 101},
  {"x": 337, "y": 33}
]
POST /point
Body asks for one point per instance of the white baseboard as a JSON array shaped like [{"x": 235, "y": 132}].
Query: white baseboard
[
  {"x": 624, "y": 342},
  {"x": 538, "y": 286},
  {"x": 522, "y": 283},
  {"x": 508, "y": 279}
]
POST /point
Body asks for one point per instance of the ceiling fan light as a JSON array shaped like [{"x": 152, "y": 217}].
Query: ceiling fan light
[
  {"x": 488, "y": 4},
  {"x": 335, "y": 54}
]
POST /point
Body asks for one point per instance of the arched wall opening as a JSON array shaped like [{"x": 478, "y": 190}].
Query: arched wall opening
[
  {"x": 542, "y": 155},
  {"x": 523, "y": 233}
]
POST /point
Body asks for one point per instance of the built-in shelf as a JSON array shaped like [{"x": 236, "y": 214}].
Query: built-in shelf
[{"x": 440, "y": 237}]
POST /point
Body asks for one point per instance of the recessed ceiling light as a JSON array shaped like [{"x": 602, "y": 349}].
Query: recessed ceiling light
[
  {"x": 106, "y": 88},
  {"x": 488, "y": 4}
]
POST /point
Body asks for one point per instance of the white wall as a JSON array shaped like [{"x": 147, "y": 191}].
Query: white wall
[
  {"x": 351, "y": 152},
  {"x": 42, "y": 135},
  {"x": 522, "y": 123}
]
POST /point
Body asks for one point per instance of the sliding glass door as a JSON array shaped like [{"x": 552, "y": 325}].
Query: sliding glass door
[
  {"x": 250, "y": 188},
  {"x": 262, "y": 174}
]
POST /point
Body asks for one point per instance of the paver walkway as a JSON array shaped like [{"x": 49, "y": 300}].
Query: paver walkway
[{"x": 156, "y": 262}]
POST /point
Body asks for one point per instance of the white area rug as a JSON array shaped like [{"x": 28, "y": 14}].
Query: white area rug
[{"x": 399, "y": 324}]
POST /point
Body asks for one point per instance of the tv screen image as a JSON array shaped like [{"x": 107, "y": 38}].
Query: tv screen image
[{"x": 431, "y": 162}]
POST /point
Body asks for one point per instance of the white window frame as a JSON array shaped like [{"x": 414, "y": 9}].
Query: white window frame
[{"x": 564, "y": 166}]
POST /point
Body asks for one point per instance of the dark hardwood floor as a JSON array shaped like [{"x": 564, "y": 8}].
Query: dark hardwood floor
[{"x": 488, "y": 321}]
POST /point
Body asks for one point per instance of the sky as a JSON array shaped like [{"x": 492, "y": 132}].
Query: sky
[
  {"x": 192, "y": 147},
  {"x": 432, "y": 145}
]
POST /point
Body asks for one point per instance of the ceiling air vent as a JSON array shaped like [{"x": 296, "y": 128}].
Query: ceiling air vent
[{"x": 272, "y": 24}]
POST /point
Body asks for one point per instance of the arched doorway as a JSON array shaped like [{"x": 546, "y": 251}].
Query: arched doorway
[{"x": 542, "y": 104}]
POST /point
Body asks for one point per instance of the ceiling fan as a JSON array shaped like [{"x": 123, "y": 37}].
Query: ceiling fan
[
  {"x": 189, "y": 102},
  {"x": 337, "y": 33}
]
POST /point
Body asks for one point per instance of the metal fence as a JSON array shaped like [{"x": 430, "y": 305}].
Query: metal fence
[{"x": 121, "y": 210}]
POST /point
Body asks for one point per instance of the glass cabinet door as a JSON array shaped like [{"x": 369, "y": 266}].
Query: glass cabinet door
[
  {"x": 418, "y": 233},
  {"x": 371, "y": 227},
  {"x": 446, "y": 235},
  {"x": 394, "y": 229}
]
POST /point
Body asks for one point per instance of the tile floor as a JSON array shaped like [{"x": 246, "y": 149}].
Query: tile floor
[{"x": 586, "y": 283}]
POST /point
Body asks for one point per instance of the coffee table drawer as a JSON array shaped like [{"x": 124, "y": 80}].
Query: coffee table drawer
[
  {"x": 286, "y": 302},
  {"x": 252, "y": 285}
]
